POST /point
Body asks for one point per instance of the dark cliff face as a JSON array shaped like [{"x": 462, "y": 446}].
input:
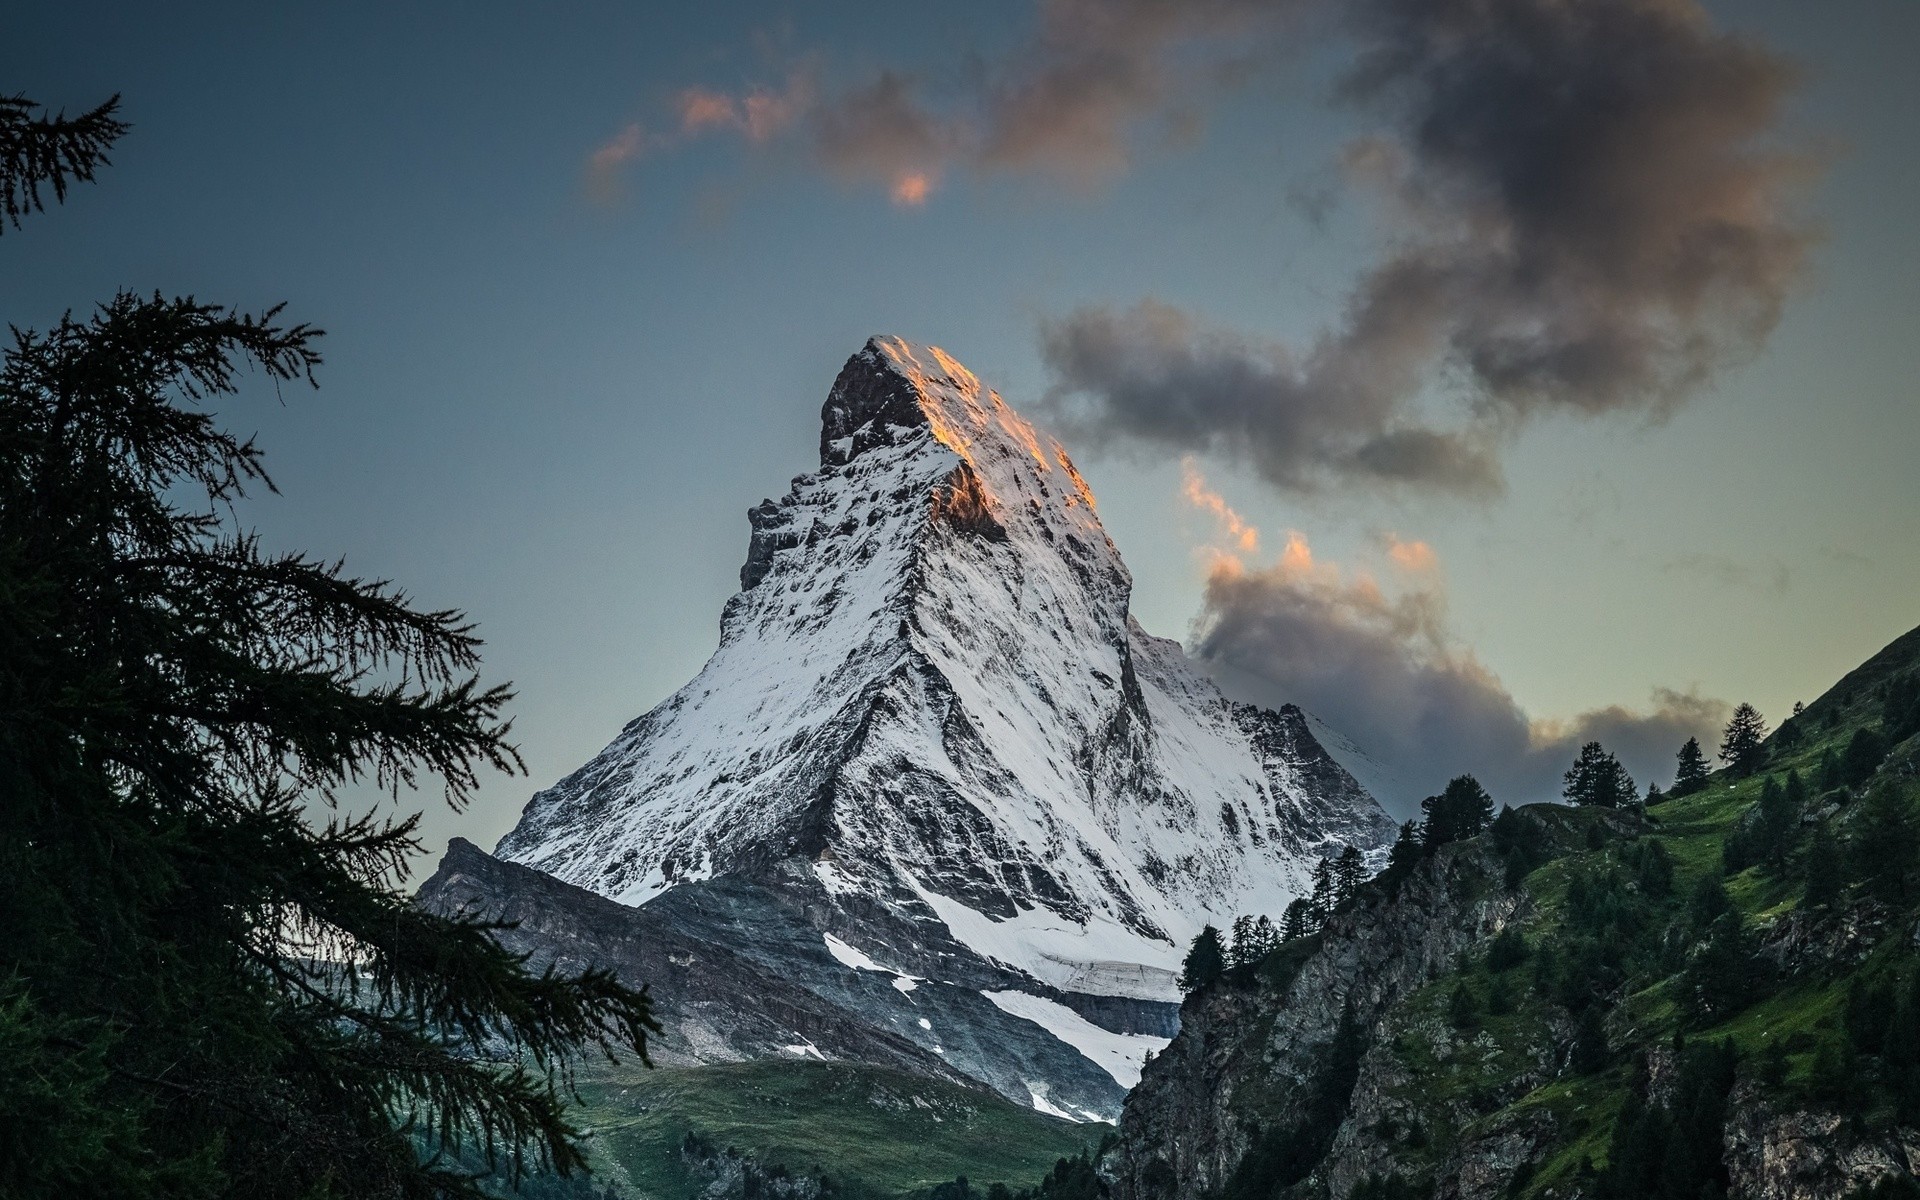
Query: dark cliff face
[{"x": 1251, "y": 1047}]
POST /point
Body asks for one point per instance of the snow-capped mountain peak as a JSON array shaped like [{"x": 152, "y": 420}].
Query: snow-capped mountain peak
[{"x": 931, "y": 706}]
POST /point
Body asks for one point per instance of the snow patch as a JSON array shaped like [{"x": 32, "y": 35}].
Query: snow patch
[
  {"x": 1120, "y": 1055},
  {"x": 1041, "y": 1104}
]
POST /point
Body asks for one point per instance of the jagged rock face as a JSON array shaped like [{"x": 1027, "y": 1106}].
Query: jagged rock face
[
  {"x": 930, "y": 689},
  {"x": 1796, "y": 1154},
  {"x": 1247, "y": 1054}
]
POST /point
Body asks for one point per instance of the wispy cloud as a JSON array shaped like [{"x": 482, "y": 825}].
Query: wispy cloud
[
  {"x": 1069, "y": 102},
  {"x": 604, "y": 165}
]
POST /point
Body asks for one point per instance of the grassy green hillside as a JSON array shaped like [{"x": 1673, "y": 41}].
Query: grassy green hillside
[{"x": 870, "y": 1131}]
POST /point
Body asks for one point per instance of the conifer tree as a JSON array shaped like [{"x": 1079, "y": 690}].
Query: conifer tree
[
  {"x": 1462, "y": 810},
  {"x": 1323, "y": 899},
  {"x": 1885, "y": 851},
  {"x": 1265, "y": 936},
  {"x": 1825, "y": 871},
  {"x": 52, "y": 152},
  {"x": 1205, "y": 961},
  {"x": 1692, "y": 771},
  {"x": 1741, "y": 747},
  {"x": 1864, "y": 753},
  {"x": 1402, "y": 859},
  {"x": 1597, "y": 779},
  {"x": 1828, "y": 774},
  {"x": 1348, "y": 871},
  {"x": 1296, "y": 922},
  {"x": 218, "y": 993},
  {"x": 1243, "y": 950}
]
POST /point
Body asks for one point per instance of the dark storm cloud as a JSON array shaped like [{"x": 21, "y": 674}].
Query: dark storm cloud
[
  {"x": 1382, "y": 669},
  {"x": 1585, "y": 214}
]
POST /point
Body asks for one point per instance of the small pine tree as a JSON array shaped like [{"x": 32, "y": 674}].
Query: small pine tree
[
  {"x": 1506, "y": 951},
  {"x": 1297, "y": 921},
  {"x": 1827, "y": 775},
  {"x": 1741, "y": 746},
  {"x": 1462, "y": 810},
  {"x": 1462, "y": 1012},
  {"x": 1692, "y": 771},
  {"x": 1205, "y": 961},
  {"x": 1243, "y": 950},
  {"x": 1886, "y": 844},
  {"x": 1826, "y": 872},
  {"x": 1265, "y": 935},
  {"x": 1654, "y": 794},
  {"x": 1720, "y": 976},
  {"x": 1402, "y": 859},
  {"x": 1865, "y": 750},
  {"x": 1322, "y": 900},
  {"x": 1777, "y": 826},
  {"x": 1348, "y": 870},
  {"x": 1597, "y": 779}
]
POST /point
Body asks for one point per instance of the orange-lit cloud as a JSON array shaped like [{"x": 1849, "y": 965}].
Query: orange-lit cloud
[
  {"x": 1383, "y": 666},
  {"x": 911, "y": 190},
  {"x": 1414, "y": 557},
  {"x": 701, "y": 110},
  {"x": 1193, "y": 486},
  {"x": 607, "y": 159},
  {"x": 1093, "y": 79}
]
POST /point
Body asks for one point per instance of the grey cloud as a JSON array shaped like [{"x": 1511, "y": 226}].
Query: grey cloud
[
  {"x": 1383, "y": 671},
  {"x": 1585, "y": 214},
  {"x": 1152, "y": 372}
]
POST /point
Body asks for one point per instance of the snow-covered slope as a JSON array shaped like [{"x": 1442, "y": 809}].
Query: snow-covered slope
[{"x": 930, "y": 695}]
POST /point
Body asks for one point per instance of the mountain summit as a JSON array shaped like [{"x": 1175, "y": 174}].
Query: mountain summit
[{"x": 933, "y": 729}]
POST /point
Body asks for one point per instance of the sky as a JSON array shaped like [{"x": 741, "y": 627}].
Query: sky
[{"x": 1484, "y": 375}]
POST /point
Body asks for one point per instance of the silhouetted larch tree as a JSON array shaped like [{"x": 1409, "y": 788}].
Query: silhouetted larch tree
[
  {"x": 211, "y": 992},
  {"x": 52, "y": 152},
  {"x": 1206, "y": 960},
  {"x": 1597, "y": 779},
  {"x": 1462, "y": 810},
  {"x": 1349, "y": 871},
  {"x": 1692, "y": 771},
  {"x": 1740, "y": 746}
]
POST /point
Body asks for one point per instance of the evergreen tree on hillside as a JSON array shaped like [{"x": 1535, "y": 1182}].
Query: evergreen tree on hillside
[
  {"x": 1321, "y": 903},
  {"x": 1885, "y": 850},
  {"x": 1402, "y": 859},
  {"x": 1741, "y": 746},
  {"x": 1242, "y": 949},
  {"x": 204, "y": 991},
  {"x": 1900, "y": 710},
  {"x": 1826, "y": 872},
  {"x": 1462, "y": 810},
  {"x": 1349, "y": 870},
  {"x": 1597, "y": 779},
  {"x": 1866, "y": 749},
  {"x": 1296, "y": 921},
  {"x": 1205, "y": 961},
  {"x": 1692, "y": 771}
]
